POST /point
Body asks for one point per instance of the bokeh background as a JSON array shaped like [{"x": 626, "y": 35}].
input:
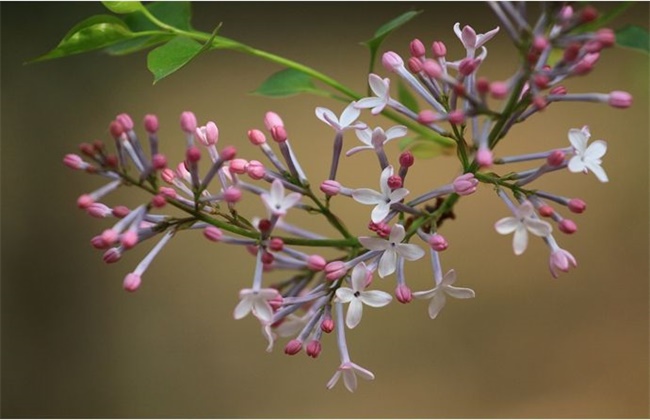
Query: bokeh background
[{"x": 75, "y": 345}]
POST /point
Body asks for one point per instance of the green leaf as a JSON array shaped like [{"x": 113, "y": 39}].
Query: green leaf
[
  {"x": 286, "y": 83},
  {"x": 406, "y": 97},
  {"x": 172, "y": 56},
  {"x": 174, "y": 13},
  {"x": 122, "y": 7},
  {"x": 137, "y": 44},
  {"x": 634, "y": 37},
  {"x": 93, "y": 33},
  {"x": 385, "y": 30},
  {"x": 422, "y": 148}
]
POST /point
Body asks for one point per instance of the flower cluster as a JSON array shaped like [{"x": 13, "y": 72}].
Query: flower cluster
[{"x": 318, "y": 295}]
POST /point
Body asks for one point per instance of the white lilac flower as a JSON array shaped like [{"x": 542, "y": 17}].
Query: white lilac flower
[
  {"x": 438, "y": 293},
  {"x": 346, "y": 121},
  {"x": 522, "y": 223},
  {"x": 256, "y": 301},
  {"x": 357, "y": 296},
  {"x": 471, "y": 40},
  {"x": 269, "y": 335},
  {"x": 587, "y": 158},
  {"x": 376, "y": 137},
  {"x": 382, "y": 200},
  {"x": 350, "y": 371},
  {"x": 392, "y": 248},
  {"x": 276, "y": 202},
  {"x": 381, "y": 88}
]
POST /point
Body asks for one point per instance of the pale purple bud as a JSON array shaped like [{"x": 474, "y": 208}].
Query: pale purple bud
[
  {"x": 438, "y": 49},
  {"x": 432, "y": 68},
  {"x": 132, "y": 282},
  {"x": 99, "y": 210},
  {"x": 335, "y": 270},
  {"x": 168, "y": 175},
  {"x": 232, "y": 195},
  {"x": 330, "y": 187},
  {"x": 129, "y": 239},
  {"x": 255, "y": 169},
  {"x": 125, "y": 121},
  {"x": 213, "y": 233},
  {"x": 465, "y": 184},
  {"x": 576, "y": 205},
  {"x": 438, "y": 242},
  {"x": 403, "y": 294},
  {"x": 427, "y": 116},
  {"x": 561, "y": 260},
  {"x": 73, "y": 161},
  {"x": 238, "y": 166},
  {"x": 316, "y": 263},
  {"x": 256, "y": 137},
  {"x": 417, "y": 49},
  {"x": 620, "y": 99},
  {"x": 188, "y": 122},
  {"x": 484, "y": 157},
  {"x": 391, "y": 61},
  {"x": 211, "y": 133},
  {"x": 151, "y": 123},
  {"x": 271, "y": 119},
  {"x": 566, "y": 13}
]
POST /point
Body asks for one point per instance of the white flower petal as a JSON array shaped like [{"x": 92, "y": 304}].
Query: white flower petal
[
  {"x": 349, "y": 115},
  {"x": 597, "y": 170},
  {"x": 425, "y": 294},
  {"x": 367, "y": 196},
  {"x": 378, "y": 85},
  {"x": 526, "y": 209},
  {"x": 374, "y": 244},
  {"x": 397, "y": 195},
  {"x": 243, "y": 308},
  {"x": 365, "y": 135},
  {"x": 410, "y": 252},
  {"x": 437, "y": 303},
  {"x": 520, "y": 240},
  {"x": 397, "y": 234},
  {"x": 380, "y": 212},
  {"x": 483, "y": 38},
  {"x": 357, "y": 150},
  {"x": 370, "y": 103},
  {"x": 345, "y": 294},
  {"x": 359, "y": 277},
  {"x": 363, "y": 372},
  {"x": 507, "y": 225},
  {"x": 291, "y": 200},
  {"x": 383, "y": 180},
  {"x": 262, "y": 310},
  {"x": 449, "y": 278},
  {"x": 387, "y": 263},
  {"x": 576, "y": 164},
  {"x": 325, "y": 115},
  {"x": 375, "y": 298},
  {"x": 578, "y": 140},
  {"x": 334, "y": 380},
  {"x": 395, "y": 132},
  {"x": 355, "y": 311},
  {"x": 538, "y": 227},
  {"x": 349, "y": 379},
  {"x": 596, "y": 150},
  {"x": 460, "y": 292},
  {"x": 277, "y": 192}
]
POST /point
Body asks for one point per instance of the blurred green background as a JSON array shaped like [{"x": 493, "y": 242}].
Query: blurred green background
[{"x": 75, "y": 345}]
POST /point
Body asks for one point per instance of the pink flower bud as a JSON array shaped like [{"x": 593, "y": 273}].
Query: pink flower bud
[
  {"x": 279, "y": 134},
  {"x": 391, "y": 61},
  {"x": 151, "y": 123},
  {"x": 499, "y": 90},
  {"x": 316, "y": 262},
  {"x": 98, "y": 243},
  {"x": 314, "y": 348},
  {"x": 394, "y": 182},
  {"x": 109, "y": 236},
  {"x": 73, "y": 161},
  {"x": 211, "y": 133},
  {"x": 213, "y": 233},
  {"x": 586, "y": 64},
  {"x": 232, "y": 195},
  {"x": 465, "y": 184},
  {"x": 293, "y": 347},
  {"x": 432, "y": 68},
  {"x": 168, "y": 175},
  {"x": 438, "y": 242},
  {"x": 620, "y": 99},
  {"x": 567, "y": 226},
  {"x": 593, "y": 46},
  {"x": 84, "y": 201},
  {"x": 576, "y": 205},
  {"x": 588, "y": 14},
  {"x": 276, "y": 302},
  {"x": 406, "y": 159},
  {"x": 414, "y": 65},
  {"x": 566, "y": 13},
  {"x": 335, "y": 270},
  {"x": 606, "y": 37},
  {"x": 539, "y": 44},
  {"x": 467, "y": 66},
  {"x": 255, "y": 169},
  {"x": 132, "y": 282},
  {"x": 545, "y": 210},
  {"x": 541, "y": 80},
  {"x": 193, "y": 154},
  {"x": 383, "y": 229},
  {"x": 556, "y": 158},
  {"x": 416, "y": 48},
  {"x": 438, "y": 49},
  {"x": 188, "y": 122},
  {"x": 228, "y": 153},
  {"x": 330, "y": 187},
  {"x": 159, "y": 161},
  {"x": 238, "y": 166},
  {"x": 276, "y": 244},
  {"x": 129, "y": 239},
  {"x": 456, "y": 117},
  {"x": 98, "y": 210},
  {"x": 540, "y": 102},
  {"x": 121, "y": 211},
  {"x": 327, "y": 326},
  {"x": 271, "y": 119},
  {"x": 125, "y": 121},
  {"x": 482, "y": 85},
  {"x": 256, "y": 137},
  {"x": 561, "y": 260},
  {"x": 116, "y": 129},
  {"x": 158, "y": 201},
  {"x": 112, "y": 255},
  {"x": 571, "y": 52},
  {"x": 559, "y": 90},
  {"x": 484, "y": 157},
  {"x": 403, "y": 294},
  {"x": 267, "y": 258},
  {"x": 168, "y": 192},
  {"x": 427, "y": 116},
  {"x": 264, "y": 225}
]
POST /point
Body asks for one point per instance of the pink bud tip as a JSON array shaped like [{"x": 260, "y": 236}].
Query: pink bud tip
[
  {"x": 238, "y": 166},
  {"x": 228, "y": 153},
  {"x": 213, "y": 233},
  {"x": 588, "y": 14},
  {"x": 168, "y": 192},
  {"x": 571, "y": 52},
  {"x": 98, "y": 210},
  {"x": 327, "y": 326},
  {"x": 593, "y": 46},
  {"x": 193, "y": 154},
  {"x": 73, "y": 161},
  {"x": 484, "y": 158},
  {"x": 316, "y": 263},
  {"x": 438, "y": 49},
  {"x": 620, "y": 99},
  {"x": 465, "y": 184},
  {"x": 98, "y": 243},
  {"x": 566, "y": 13},
  {"x": 567, "y": 226},
  {"x": 383, "y": 229},
  {"x": 125, "y": 121},
  {"x": 403, "y": 294},
  {"x": 112, "y": 256},
  {"x": 151, "y": 123},
  {"x": 539, "y": 44},
  {"x": 545, "y": 210},
  {"x": 255, "y": 169},
  {"x": 556, "y": 158},
  {"x": 330, "y": 187},
  {"x": 120, "y": 211},
  {"x": 559, "y": 90},
  {"x": 427, "y": 116},
  {"x": 111, "y": 161},
  {"x": 414, "y": 65},
  {"x": 232, "y": 195},
  {"x": 394, "y": 182},
  {"x": 276, "y": 244},
  {"x": 417, "y": 49},
  {"x": 168, "y": 175},
  {"x": 158, "y": 201},
  {"x": 576, "y": 205},
  {"x": 406, "y": 159},
  {"x": 561, "y": 260},
  {"x": 271, "y": 119},
  {"x": 256, "y": 137},
  {"x": 211, "y": 133},
  {"x": 264, "y": 225},
  {"x": 84, "y": 201},
  {"x": 456, "y": 117},
  {"x": 606, "y": 37},
  {"x": 129, "y": 239},
  {"x": 335, "y": 270},
  {"x": 132, "y": 282},
  {"x": 276, "y": 302},
  {"x": 188, "y": 122},
  {"x": 482, "y": 85},
  {"x": 541, "y": 80},
  {"x": 391, "y": 61},
  {"x": 109, "y": 236},
  {"x": 293, "y": 347},
  {"x": 432, "y": 68},
  {"x": 159, "y": 161},
  {"x": 540, "y": 102},
  {"x": 116, "y": 129},
  {"x": 314, "y": 348},
  {"x": 438, "y": 242},
  {"x": 267, "y": 258},
  {"x": 499, "y": 90},
  {"x": 467, "y": 66},
  {"x": 279, "y": 134}
]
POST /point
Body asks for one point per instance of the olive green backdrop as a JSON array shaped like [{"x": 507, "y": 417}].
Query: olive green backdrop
[{"x": 75, "y": 345}]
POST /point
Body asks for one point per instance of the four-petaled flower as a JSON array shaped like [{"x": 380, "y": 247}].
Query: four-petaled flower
[
  {"x": 347, "y": 120},
  {"x": 393, "y": 247},
  {"x": 276, "y": 202},
  {"x": 587, "y": 158},
  {"x": 381, "y": 88},
  {"x": 522, "y": 223},
  {"x": 471, "y": 40},
  {"x": 357, "y": 296},
  {"x": 382, "y": 200},
  {"x": 437, "y": 294},
  {"x": 561, "y": 259},
  {"x": 376, "y": 137},
  {"x": 256, "y": 301},
  {"x": 349, "y": 371}
]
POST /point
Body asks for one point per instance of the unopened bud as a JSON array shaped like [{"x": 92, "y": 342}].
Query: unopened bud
[
  {"x": 556, "y": 158},
  {"x": 545, "y": 210},
  {"x": 391, "y": 61},
  {"x": 335, "y": 270},
  {"x": 125, "y": 121},
  {"x": 316, "y": 262},
  {"x": 432, "y": 68},
  {"x": 438, "y": 242},
  {"x": 188, "y": 122},
  {"x": 417, "y": 49},
  {"x": 330, "y": 187},
  {"x": 438, "y": 49},
  {"x": 293, "y": 347},
  {"x": 193, "y": 154},
  {"x": 620, "y": 99},
  {"x": 151, "y": 123},
  {"x": 279, "y": 134},
  {"x": 394, "y": 182},
  {"x": 313, "y": 348},
  {"x": 276, "y": 244},
  {"x": 255, "y": 169},
  {"x": 131, "y": 282},
  {"x": 213, "y": 233},
  {"x": 256, "y": 137},
  {"x": 576, "y": 205},
  {"x": 406, "y": 159},
  {"x": 232, "y": 195},
  {"x": 403, "y": 294},
  {"x": 271, "y": 119},
  {"x": 567, "y": 226}
]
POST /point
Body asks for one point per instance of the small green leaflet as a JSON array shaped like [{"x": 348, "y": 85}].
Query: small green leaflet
[
  {"x": 634, "y": 37},
  {"x": 286, "y": 83},
  {"x": 122, "y": 7},
  {"x": 94, "y": 33}
]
